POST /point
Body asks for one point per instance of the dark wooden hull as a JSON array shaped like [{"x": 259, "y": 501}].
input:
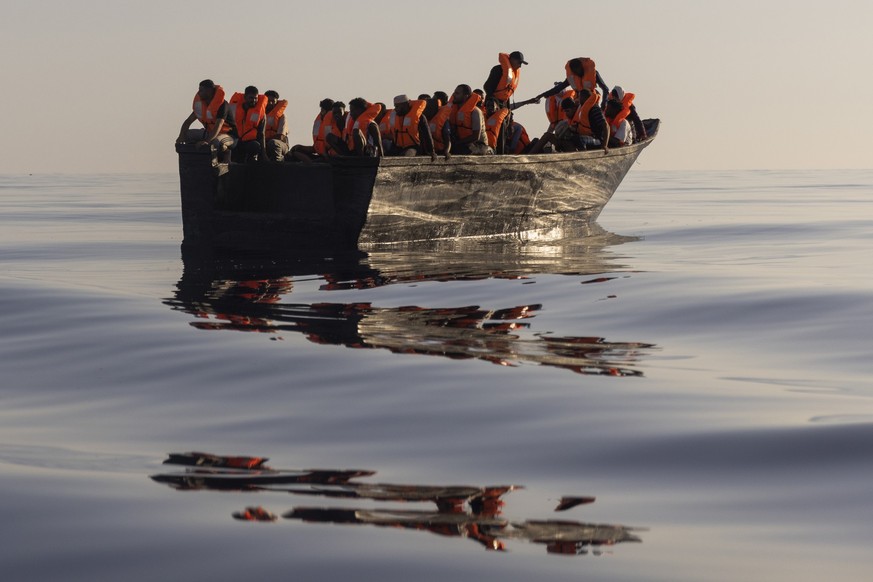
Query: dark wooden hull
[{"x": 365, "y": 201}]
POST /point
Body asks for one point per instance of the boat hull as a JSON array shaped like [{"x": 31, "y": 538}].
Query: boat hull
[{"x": 361, "y": 202}]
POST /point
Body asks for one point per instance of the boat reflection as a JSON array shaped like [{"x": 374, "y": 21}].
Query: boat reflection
[
  {"x": 462, "y": 511},
  {"x": 252, "y": 296}
]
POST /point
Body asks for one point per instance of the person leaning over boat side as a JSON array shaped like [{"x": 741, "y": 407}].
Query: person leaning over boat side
[
  {"x": 304, "y": 153},
  {"x": 581, "y": 73},
  {"x": 584, "y": 129},
  {"x": 213, "y": 112},
  {"x": 630, "y": 111},
  {"x": 468, "y": 124},
  {"x": 409, "y": 129},
  {"x": 250, "y": 109},
  {"x": 276, "y": 130},
  {"x": 361, "y": 133}
]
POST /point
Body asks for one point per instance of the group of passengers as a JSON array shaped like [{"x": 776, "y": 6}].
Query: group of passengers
[{"x": 251, "y": 126}]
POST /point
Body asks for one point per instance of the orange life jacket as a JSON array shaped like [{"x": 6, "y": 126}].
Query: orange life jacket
[
  {"x": 385, "y": 124},
  {"x": 553, "y": 105},
  {"x": 436, "y": 127},
  {"x": 523, "y": 141},
  {"x": 360, "y": 124},
  {"x": 508, "y": 82},
  {"x": 462, "y": 117},
  {"x": 208, "y": 112},
  {"x": 626, "y": 103},
  {"x": 405, "y": 127},
  {"x": 334, "y": 126},
  {"x": 492, "y": 126},
  {"x": 580, "y": 123},
  {"x": 273, "y": 117},
  {"x": 318, "y": 132},
  {"x": 247, "y": 120},
  {"x": 588, "y": 80}
]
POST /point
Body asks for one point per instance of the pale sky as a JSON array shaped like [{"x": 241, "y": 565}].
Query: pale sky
[{"x": 103, "y": 85}]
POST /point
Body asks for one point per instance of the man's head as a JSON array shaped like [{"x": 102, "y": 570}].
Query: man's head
[
  {"x": 206, "y": 89},
  {"x": 576, "y": 66},
  {"x": 613, "y": 108},
  {"x": 516, "y": 59},
  {"x": 490, "y": 105},
  {"x": 424, "y": 97},
  {"x": 272, "y": 98},
  {"x": 583, "y": 95},
  {"x": 401, "y": 104},
  {"x": 442, "y": 96},
  {"x": 461, "y": 94},
  {"x": 617, "y": 94},
  {"x": 382, "y": 112},
  {"x": 250, "y": 96},
  {"x": 480, "y": 93},
  {"x": 338, "y": 109},
  {"x": 325, "y": 105},
  {"x": 569, "y": 106},
  {"x": 357, "y": 106}
]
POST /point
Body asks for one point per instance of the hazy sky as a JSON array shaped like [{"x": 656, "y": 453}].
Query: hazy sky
[{"x": 103, "y": 85}]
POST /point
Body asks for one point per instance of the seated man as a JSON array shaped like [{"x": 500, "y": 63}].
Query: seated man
[
  {"x": 305, "y": 153},
  {"x": 250, "y": 110},
  {"x": 334, "y": 125},
  {"x": 361, "y": 135},
  {"x": 409, "y": 129},
  {"x": 213, "y": 112},
  {"x": 584, "y": 129},
  {"x": 468, "y": 123},
  {"x": 438, "y": 114},
  {"x": 629, "y": 111},
  {"x": 276, "y": 130}
]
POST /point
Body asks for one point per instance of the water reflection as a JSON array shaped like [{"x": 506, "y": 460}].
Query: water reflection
[
  {"x": 252, "y": 295},
  {"x": 474, "y": 513}
]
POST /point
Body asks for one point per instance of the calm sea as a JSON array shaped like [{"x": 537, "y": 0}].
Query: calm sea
[{"x": 700, "y": 366}]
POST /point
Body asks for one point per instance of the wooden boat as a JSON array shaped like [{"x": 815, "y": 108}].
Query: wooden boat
[{"x": 360, "y": 202}]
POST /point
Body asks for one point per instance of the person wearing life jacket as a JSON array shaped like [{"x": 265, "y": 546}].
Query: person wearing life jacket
[
  {"x": 627, "y": 111},
  {"x": 584, "y": 129},
  {"x": 305, "y": 153},
  {"x": 554, "y": 113},
  {"x": 334, "y": 124},
  {"x": 409, "y": 129},
  {"x": 503, "y": 78},
  {"x": 210, "y": 109},
  {"x": 468, "y": 123},
  {"x": 438, "y": 115},
  {"x": 360, "y": 135},
  {"x": 517, "y": 140},
  {"x": 250, "y": 111},
  {"x": 494, "y": 123},
  {"x": 580, "y": 73},
  {"x": 276, "y": 129}
]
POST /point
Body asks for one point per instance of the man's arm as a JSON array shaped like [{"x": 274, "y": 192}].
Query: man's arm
[
  {"x": 493, "y": 80},
  {"x": 222, "y": 117},
  {"x": 425, "y": 137},
  {"x": 639, "y": 128},
  {"x": 282, "y": 130},
  {"x": 183, "y": 132},
  {"x": 376, "y": 136},
  {"x": 447, "y": 138},
  {"x": 602, "y": 84},
  {"x": 599, "y": 127},
  {"x": 556, "y": 89},
  {"x": 262, "y": 140}
]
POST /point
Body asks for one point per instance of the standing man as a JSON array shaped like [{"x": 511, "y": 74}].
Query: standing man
[
  {"x": 501, "y": 85},
  {"x": 210, "y": 109},
  {"x": 276, "y": 130}
]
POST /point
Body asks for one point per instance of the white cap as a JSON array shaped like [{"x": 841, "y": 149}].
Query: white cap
[{"x": 400, "y": 99}]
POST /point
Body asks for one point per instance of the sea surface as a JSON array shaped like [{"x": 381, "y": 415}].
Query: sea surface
[{"x": 682, "y": 394}]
